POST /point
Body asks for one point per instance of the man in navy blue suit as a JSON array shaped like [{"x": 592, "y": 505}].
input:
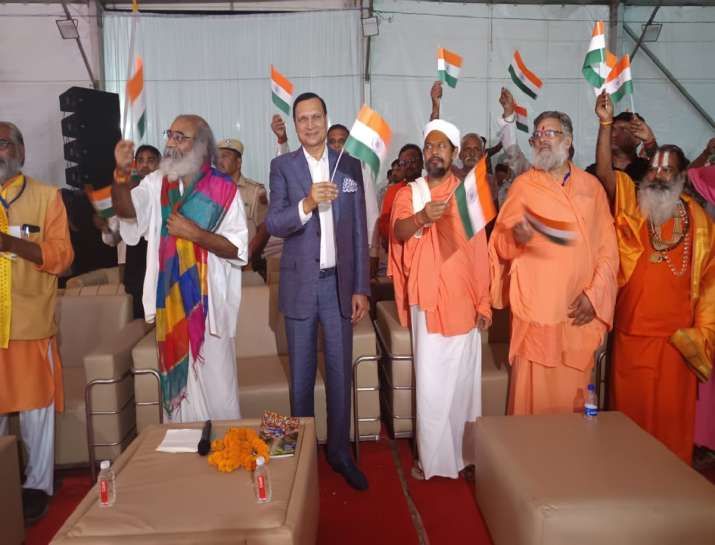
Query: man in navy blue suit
[{"x": 318, "y": 208}]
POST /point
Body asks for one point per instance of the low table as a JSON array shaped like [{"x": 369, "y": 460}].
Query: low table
[
  {"x": 179, "y": 499},
  {"x": 564, "y": 480}
]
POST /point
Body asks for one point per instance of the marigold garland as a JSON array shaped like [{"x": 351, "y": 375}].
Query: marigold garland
[{"x": 239, "y": 448}]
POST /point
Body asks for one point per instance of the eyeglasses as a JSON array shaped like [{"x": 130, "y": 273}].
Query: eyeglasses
[
  {"x": 4, "y": 144},
  {"x": 442, "y": 146},
  {"x": 176, "y": 136},
  {"x": 546, "y": 133}
]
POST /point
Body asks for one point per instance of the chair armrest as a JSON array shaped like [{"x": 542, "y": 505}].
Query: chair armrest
[{"x": 113, "y": 357}]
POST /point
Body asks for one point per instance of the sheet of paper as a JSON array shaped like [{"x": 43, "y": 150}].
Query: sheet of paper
[{"x": 180, "y": 441}]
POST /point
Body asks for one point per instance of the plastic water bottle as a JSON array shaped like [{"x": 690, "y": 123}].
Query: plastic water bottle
[
  {"x": 107, "y": 484},
  {"x": 261, "y": 481},
  {"x": 590, "y": 409}
]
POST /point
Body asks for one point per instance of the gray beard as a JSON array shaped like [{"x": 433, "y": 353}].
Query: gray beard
[
  {"x": 657, "y": 201},
  {"x": 176, "y": 165},
  {"x": 548, "y": 160},
  {"x": 9, "y": 168}
]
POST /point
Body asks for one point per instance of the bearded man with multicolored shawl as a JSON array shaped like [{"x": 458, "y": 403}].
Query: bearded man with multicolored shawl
[{"x": 194, "y": 222}]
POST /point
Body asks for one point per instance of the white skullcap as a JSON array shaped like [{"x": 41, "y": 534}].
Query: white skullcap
[{"x": 446, "y": 128}]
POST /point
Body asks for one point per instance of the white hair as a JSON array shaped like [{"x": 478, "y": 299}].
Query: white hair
[
  {"x": 657, "y": 200},
  {"x": 549, "y": 159}
]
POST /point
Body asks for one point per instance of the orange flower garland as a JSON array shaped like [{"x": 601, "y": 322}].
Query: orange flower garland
[{"x": 239, "y": 448}]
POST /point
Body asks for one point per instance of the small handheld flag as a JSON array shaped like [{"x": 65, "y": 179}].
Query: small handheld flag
[
  {"x": 102, "y": 201},
  {"x": 369, "y": 138},
  {"x": 282, "y": 90},
  {"x": 619, "y": 82},
  {"x": 595, "y": 66},
  {"x": 474, "y": 200},
  {"x": 558, "y": 232},
  {"x": 522, "y": 119},
  {"x": 137, "y": 100},
  {"x": 524, "y": 78},
  {"x": 448, "y": 66}
]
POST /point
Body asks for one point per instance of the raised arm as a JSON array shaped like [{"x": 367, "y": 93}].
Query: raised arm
[
  {"x": 121, "y": 188},
  {"x": 604, "y": 158},
  {"x": 436, "y": 96},
  {"x": 702, "y": 159},
  {"x": 515, "y": 158}
]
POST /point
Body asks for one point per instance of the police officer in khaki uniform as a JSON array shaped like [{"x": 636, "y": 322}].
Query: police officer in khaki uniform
[{"x": 253, "y": 194}]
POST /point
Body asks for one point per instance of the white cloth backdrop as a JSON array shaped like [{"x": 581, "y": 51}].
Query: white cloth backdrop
[
  {"x": 553, "y": 41},
  {"x": 219, "y": 67}
]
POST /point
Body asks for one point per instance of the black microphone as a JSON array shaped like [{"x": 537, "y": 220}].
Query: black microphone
[{"x": 205, "y": 443}]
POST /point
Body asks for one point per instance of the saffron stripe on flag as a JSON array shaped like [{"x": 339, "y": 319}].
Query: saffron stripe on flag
[
  {"x": 533, "y": 78},
  {"x": 474, "y": 200}
]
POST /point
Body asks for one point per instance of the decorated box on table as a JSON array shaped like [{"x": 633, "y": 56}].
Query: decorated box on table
[{"x": 280, "y": 433}]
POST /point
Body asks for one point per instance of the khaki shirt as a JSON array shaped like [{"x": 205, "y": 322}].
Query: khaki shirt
[{"x": 255, "y": 203}]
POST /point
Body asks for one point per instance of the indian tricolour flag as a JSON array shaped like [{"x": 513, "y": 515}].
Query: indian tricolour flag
[
  {"x": 448, "y": 66},
  {"x": 102, "y": 201},
  {"x": 282, "y": 90},
  {"x": 619, "y": 83},
  {"x": 522, "y": 118},
  {"x": 559, "y": 232},
  {"x": 474, "y": 200},
  {"x": 137, "y": 100},
  {"x": 369, "y": 138},
  {"x": 596, "y": 64},
  {"x": 524, "y": 78}
]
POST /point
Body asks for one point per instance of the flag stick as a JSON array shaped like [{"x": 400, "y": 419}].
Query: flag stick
[
  {"x": 335, "y": 168},
  {"x": 130, "y": 63},
  {"x": 633, "y": 106}
]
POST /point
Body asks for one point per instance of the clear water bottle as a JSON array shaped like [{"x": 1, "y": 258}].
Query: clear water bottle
[
  {"x": 590, "y": 409},
  {"x": 261, "y": 481},
  {"x": 107, "y": 484}
]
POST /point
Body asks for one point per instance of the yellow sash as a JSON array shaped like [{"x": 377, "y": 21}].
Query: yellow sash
[{"x": 6, "y": 267}]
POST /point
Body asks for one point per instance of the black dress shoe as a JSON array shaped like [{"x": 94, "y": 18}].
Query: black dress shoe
[
  {"x": 352, "y": 475},
  {"x": 34, "y": 504}
]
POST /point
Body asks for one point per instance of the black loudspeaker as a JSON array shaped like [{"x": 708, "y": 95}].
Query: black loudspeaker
[{"x": 91, "y": 132}]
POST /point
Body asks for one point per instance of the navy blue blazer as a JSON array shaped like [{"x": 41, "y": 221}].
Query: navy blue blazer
[{"x": 290, "y": 182}]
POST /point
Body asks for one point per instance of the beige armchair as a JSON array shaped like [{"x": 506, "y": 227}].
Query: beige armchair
[{"x": 95, "y": 338}]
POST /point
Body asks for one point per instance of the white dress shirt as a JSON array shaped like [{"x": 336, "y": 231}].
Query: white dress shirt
[{"x": 319, "y": 172}]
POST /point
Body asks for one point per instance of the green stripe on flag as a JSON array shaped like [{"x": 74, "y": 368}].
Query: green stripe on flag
[
  {"x": 522, "y": 127},
  {"x": 141, "y": 125},
  {"x": 446, "y": 78},
  {"x": 363, "y": 153},
  {"x": 106, "y": 213},
  {"x": 520, "y": 84},
  {"x": 281, "y": 104},
  {"x": 623, "y": 90},
  {"x": 461, "y": 196},
  {"x": 592, "y": 77}
]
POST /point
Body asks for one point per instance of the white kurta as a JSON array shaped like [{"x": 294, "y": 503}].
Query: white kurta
[
  {"x": 212, "y": 388},
  {"x": 448, "y": 375}
]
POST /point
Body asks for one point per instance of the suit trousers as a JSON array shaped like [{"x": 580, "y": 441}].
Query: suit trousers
[{"x": 303, "y": 354}]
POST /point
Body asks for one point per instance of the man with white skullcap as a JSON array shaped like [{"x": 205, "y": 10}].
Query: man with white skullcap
[{"x": 441, "y": 278}]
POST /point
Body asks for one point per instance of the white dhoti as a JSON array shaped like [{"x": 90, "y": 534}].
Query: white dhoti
[
  {"x": 212, "y": 385},
  {"x": 448, "y": 373}
]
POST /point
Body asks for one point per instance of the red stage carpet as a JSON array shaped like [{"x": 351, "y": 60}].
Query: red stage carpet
[{"x": 434, "y": 512}]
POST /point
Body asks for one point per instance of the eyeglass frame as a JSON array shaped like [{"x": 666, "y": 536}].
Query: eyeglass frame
[
  {"x": 546, "y": 133},
  {"x": 5, "y": 144},
  {"x": 177, "y": 136}
]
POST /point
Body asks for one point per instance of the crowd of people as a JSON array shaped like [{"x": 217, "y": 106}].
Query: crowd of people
[{"x": 626, "y": 246}]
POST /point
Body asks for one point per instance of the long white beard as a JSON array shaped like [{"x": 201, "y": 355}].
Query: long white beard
[
  {"x": 548, "y": 160},
  {"x": 8, "y": 169},
  {"x": 175, "y": 165},
  {"x": 657, "y": 200}
]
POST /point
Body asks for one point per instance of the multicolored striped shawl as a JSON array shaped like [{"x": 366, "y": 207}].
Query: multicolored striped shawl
[{"x": 182, "y": 288}]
